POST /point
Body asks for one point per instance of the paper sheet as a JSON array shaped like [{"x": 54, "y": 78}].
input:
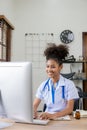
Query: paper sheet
[{"x": 67, "y": 118}]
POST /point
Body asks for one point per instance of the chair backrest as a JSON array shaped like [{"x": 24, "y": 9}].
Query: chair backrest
[
  {"x": 44, "y": 107},
  {"x": 77, "y": 102},
  {"x": 80, "y": 91},
  {"x": 68, "y": 75}
]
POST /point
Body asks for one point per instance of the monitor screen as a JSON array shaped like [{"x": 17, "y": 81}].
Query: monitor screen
[{"x": 16, "y": 90}]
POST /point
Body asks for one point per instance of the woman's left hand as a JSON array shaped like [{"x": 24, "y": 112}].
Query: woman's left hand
[{"x": 45, "y": 116}]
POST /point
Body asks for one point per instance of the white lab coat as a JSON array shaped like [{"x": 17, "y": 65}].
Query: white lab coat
[{"x": 44, "y": 92}]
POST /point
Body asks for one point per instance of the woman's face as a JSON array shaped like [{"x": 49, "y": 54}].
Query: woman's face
[{"x": 53, "y": 69}]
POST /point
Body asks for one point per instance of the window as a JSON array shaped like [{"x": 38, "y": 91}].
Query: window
[{"x": 5, "y": 38}]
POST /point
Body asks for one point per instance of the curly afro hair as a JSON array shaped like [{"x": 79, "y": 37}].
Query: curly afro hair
[{"x": 56, "y": 52}]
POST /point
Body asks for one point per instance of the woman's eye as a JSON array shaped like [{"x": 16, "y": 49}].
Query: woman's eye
[{"x": 52, "y": 67}]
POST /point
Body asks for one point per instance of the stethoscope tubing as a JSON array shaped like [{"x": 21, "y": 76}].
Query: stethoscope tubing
[{"x": 53, "y": 91}]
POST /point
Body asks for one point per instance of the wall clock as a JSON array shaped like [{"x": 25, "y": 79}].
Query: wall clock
[{"x": 66, "y": 36}]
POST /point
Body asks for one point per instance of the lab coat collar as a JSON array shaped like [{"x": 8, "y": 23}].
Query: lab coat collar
[{"x": 61, "y": 81}]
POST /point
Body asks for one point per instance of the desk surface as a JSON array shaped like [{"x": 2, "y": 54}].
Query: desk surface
[{"x": 53, "y": 125}]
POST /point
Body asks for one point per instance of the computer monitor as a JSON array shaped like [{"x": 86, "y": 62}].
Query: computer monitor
[{"x": 16, "y": 90}]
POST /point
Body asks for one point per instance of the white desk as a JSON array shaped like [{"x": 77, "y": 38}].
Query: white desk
[{"x": 53, "y": 125}]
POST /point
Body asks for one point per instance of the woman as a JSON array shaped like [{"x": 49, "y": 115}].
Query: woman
[{"x": 57, "y": 92}]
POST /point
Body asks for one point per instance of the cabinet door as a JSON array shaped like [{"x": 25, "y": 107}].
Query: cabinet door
[{"x": 85, "y": 67}]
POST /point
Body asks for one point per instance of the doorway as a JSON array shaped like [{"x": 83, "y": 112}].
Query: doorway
[{"x": 84, "y": 51}]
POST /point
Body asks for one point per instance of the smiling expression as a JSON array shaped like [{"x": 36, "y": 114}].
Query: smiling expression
[{"x": 53, "y": 69}]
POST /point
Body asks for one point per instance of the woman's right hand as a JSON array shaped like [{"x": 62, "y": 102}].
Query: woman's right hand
[
  {"x": 35, "y": 115},
  {"x": 35, "y": 106}
]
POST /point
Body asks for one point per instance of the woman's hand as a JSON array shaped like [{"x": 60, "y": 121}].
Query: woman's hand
[
  {"x": 45, "y": 116},
  {"x": 35, "y": 115},
  {"x": 35, "y": 106}
]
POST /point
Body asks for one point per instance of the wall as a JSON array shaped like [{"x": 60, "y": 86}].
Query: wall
[
  {"x": 49, "y": 16},
  {"x": 45, "y": 16},
  {"x": 6, "y": 8}
]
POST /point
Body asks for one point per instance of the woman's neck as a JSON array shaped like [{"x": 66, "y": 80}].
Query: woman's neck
[{"x": 54, "y": 80}]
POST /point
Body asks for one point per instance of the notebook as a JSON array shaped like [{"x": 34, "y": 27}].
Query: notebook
[{"x": 83, "y": 113}]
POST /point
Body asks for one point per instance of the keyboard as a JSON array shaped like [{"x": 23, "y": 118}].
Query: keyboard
[
  {"x": 5, "y": 124},
  {"x": 40, "y": 122}
]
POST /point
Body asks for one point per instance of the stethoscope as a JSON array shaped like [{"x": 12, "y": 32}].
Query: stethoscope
[{"x": 53, "y": 91}]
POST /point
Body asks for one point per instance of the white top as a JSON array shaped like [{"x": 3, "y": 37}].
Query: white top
[{"x": 55, "y": 97}]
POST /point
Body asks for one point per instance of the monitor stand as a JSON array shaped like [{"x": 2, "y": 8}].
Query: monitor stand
[{"x": 2, "y": 108}]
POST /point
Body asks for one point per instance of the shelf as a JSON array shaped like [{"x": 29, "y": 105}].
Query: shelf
[
  {"x": 84, "y": 62},
  {"x": 75, "y": 61},
  {"x": 78, "y": 79}
]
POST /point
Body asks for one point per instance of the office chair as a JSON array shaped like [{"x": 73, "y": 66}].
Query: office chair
[
  {"x": 44, "y": 107},
  {"x": 68, "y": 75},
  {"x": 78, "y": 102}
]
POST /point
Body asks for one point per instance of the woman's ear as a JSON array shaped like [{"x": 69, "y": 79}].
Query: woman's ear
[{"x": 61, "y": 66}]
